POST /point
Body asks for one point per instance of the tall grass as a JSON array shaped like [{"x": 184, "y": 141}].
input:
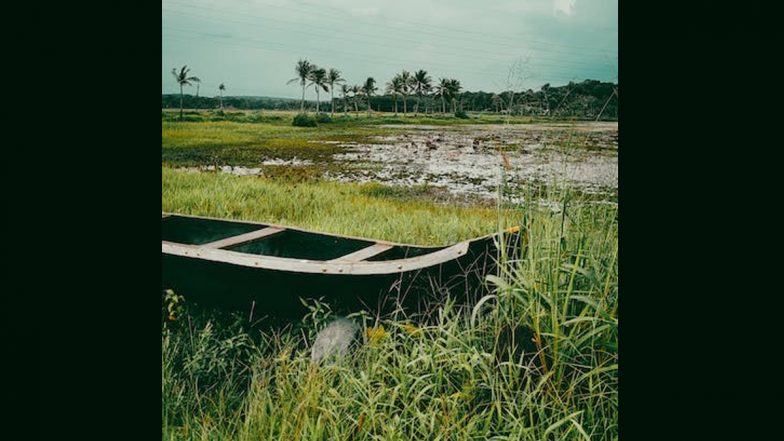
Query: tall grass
[
  {"x": 534, "y": 360},
  {"x": 332, "y": 207}
]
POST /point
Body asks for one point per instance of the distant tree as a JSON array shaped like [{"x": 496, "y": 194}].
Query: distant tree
[
  {"x": 509, "y": 101},
  {"x": 303, "y": 69},
  {"x": 221, "y": 88},
  {"x": 368, "y": 89},
  {"x": 355, "y": 93},
  {"x": 406, "y": 78},
  {"x": 453, "y": 86},
  {"x": 344, "y": 91},
  {"x": 422, "y": 86},
  {"x": 563, "y": 100},
  {"x": 442, "y": 91},
  {"x": 614, "y": 93},
  {"x": 183, "y": 80},
  {"x": 545, "y": 88},
  {"x": 496, "y": 100},
  {"x": 395, "y": 87},
  {"x": 588, "y": 99},
  {"x": 198, "y": 84},
  {"x": 318, "y": 78},
  {"x": 333, "y": 77}
]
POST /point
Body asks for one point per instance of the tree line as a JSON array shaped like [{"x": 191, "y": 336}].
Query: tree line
[{"x": 586, "y": 99}]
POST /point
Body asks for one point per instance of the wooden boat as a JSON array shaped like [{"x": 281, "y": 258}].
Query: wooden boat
[{"x": 242, "y": 265}]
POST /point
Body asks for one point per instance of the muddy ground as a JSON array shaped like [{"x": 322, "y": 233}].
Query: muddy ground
[{"x": 472, "y": 160}]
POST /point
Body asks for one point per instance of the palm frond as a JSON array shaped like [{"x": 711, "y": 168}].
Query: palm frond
[{"x": 334, "y": 76}]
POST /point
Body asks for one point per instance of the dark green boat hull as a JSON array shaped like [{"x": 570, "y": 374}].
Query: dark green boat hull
[{"x": 277, "y": 293}]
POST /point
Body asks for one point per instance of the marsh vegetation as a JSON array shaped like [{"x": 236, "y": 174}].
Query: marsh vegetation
[{"x": 535, "y": 359}]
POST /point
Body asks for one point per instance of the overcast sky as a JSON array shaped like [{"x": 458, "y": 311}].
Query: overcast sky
[{"x": 252, "y": 45}]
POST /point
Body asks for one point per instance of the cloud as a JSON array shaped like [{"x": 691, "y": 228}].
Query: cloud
[
  {"x": 363, "y": 12},
  {"x": 563, "y": 6}
]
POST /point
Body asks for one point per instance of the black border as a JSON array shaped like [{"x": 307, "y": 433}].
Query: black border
[
  {"x": 689, "y": 135},
  {"x": 81, "y": 318}
]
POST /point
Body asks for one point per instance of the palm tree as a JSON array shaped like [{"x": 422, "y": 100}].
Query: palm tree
[
  {"x": 344, "y": 91},
  {"x": 355, "y": 91},
  {"x": 442, "y": 91},
  {"x": 183, "y": 80},
  {"x": 333, "y": 77},
  {"x": 395, "y": 88},
  {"x": 422, "y": 85},
  {"x": 368, "y": 89},
  {"x": 453, "y": 86},
  {"x": 221, "y": 88},
  {"x": 318, "y": 78},
  {"x": 303, "y": 69},
  {"x": 405, "y": 77}
]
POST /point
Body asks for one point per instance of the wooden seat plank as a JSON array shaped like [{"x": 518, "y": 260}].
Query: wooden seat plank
[
  {"x": 242, "y": 238},
  {"x": 364, "y": 253}
]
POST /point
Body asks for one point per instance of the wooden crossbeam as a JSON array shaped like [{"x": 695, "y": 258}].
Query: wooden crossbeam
[
  {"x": 364, "y": 253},
  {"x": 247, "y": 237}
]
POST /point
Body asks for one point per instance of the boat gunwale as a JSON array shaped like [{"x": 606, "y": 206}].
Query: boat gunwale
[
  {"x": 438, "y": 256},
  {"x": 362, "y": 267}
]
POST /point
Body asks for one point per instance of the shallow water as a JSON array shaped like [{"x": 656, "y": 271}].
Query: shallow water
[
  {"x": 472, "y": 160},
  {"x": 468, "y": 159}
]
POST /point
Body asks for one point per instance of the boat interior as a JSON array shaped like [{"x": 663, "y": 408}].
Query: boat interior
[{"x": 276, "y": 241}]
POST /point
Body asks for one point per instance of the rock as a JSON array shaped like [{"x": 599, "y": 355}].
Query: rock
[{"x": 335, "y": 339}]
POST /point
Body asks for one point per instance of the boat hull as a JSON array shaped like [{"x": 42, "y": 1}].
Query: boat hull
[{"x": 278, "y": 292}]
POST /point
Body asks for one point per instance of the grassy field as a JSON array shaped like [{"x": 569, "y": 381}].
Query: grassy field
[
  {"x": 535, "y": 360},
  {"x": 246, "y": 138},
  {"x": 368, "y": 210},
  {"x": 339, "y": 118}
]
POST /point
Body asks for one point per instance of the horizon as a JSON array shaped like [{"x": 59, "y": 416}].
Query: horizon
[
  {"x": 186, "y": 93},
  {"x": 253, "y": 45}
]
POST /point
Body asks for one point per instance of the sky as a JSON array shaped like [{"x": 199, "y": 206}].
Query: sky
[{"x": 252, "y": 45}]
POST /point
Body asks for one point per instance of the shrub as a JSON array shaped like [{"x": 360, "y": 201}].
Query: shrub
[
  {"x": 303, "y": 120},
  {"x": 323, "y": 118},
  {"x": 461, "y": 114}
]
